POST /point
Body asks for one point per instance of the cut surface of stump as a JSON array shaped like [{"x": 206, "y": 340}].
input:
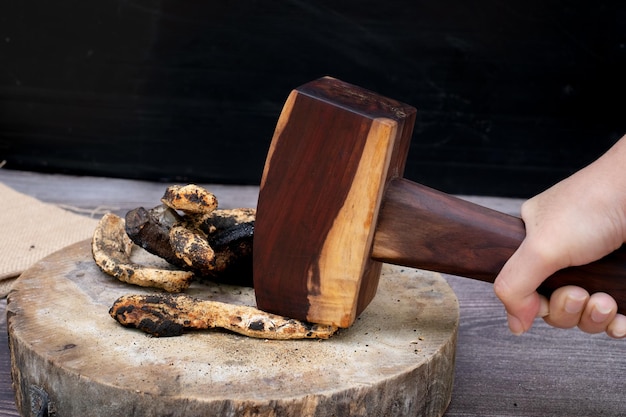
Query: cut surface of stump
[{"x": 71, "y": 356}]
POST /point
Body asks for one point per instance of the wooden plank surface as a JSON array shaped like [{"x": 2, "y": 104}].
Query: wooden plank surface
[{"x": 547, "y": 372}]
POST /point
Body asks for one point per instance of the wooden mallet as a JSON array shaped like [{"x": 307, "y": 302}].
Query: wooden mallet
[{"x": 333, "y": 205}]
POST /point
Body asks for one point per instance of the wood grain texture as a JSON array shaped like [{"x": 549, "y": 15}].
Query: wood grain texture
[
  {"x": 397, "y": 361},
  {"x": 7, "y": 399},
  {"x": 424, "y": 228},
  {"x": 93, "y": 196},
  {"x": 545, "y": 373},
  {"x": 335, "y": 148},
  {"x": 421, "y": 226},
  {"x": 337, "y": 155}
]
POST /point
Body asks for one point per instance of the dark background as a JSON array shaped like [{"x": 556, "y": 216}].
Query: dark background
[{"x": 512, "y": 96}]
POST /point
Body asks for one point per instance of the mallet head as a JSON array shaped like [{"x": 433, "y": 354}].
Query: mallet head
[{"x": 335, "y": 148}]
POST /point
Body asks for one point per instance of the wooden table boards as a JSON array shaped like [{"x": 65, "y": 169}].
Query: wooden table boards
[{"x": 547, "y": 372}]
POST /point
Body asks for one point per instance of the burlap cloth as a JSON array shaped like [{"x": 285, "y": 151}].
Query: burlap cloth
[{"x": 31, "y": 230}]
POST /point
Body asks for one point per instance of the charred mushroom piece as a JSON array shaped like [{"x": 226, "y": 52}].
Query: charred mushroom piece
[
  {"x": 206, "y": 241},
  {"x": 229, "y": 234},
  {"x": 216, "y": 246},
  {"x": 224, "y": 224},
  {"x": 150, "y": 229},
  {"x": 192, "y": 247},
  {"x": 165, "y": 315},
  {"x": 189, "y": 198},
  {"x": 111, "y": 249}
]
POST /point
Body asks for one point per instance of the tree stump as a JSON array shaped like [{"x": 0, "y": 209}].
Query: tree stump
[{"x": 70, "y": 358}]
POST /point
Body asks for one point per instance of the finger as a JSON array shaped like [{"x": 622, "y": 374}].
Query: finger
[
  {"x": 617, "y": 328},
  {"x": 544, "y": 307},
  {"x": 566, "y": 307},
  {"x": 516, "y": 286},
  {"x": 598, "y": 314}
]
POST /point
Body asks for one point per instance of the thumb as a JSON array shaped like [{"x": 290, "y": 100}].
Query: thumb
[{"x": 516, "y": 286}]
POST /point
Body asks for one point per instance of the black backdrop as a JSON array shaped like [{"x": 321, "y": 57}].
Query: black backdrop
[{"x": 512, "y": 96}]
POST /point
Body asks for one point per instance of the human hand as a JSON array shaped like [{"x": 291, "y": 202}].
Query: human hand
[{"x": 577, "y": 221}]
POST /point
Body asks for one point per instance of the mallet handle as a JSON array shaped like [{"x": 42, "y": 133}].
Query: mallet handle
[{"x": 423, "y": 228}]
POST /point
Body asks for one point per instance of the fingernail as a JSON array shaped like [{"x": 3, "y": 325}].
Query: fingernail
[
  {"x": 515, "y": 325},
  {"x": 619, "y": 330},
  {"x": 574, "y": 305},
  {"x": 600, "y": 313}
]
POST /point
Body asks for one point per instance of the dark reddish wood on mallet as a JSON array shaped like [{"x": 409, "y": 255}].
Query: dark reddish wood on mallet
[
  {"x": 333, "y": 205},
  {"x": 335, "y": 148},
  {"x": 427, "y": 229}
]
